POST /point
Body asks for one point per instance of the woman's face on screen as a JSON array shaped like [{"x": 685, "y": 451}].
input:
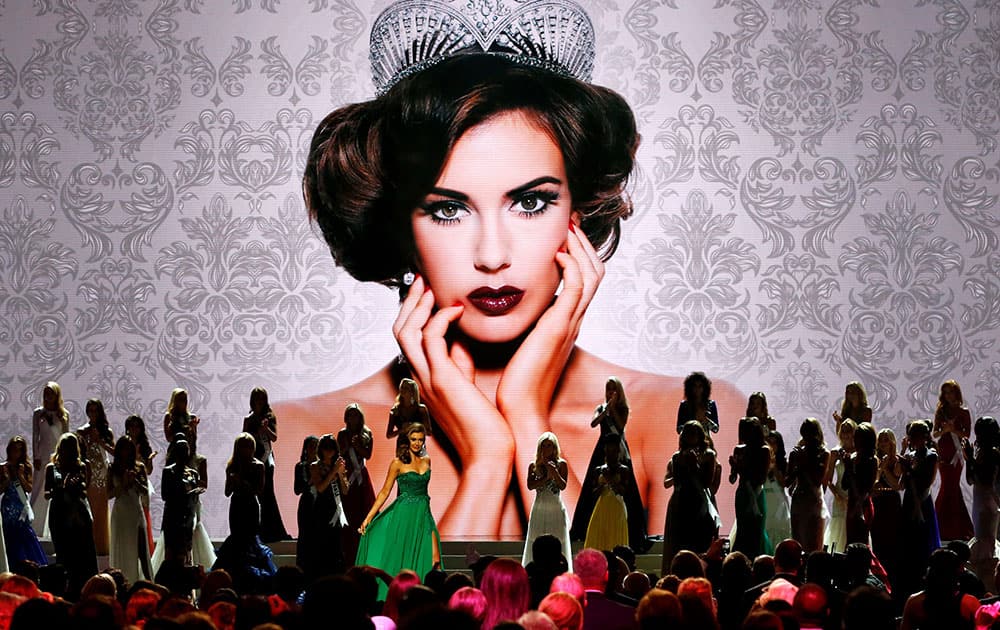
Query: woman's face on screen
[{"x": 487, "y": 233}]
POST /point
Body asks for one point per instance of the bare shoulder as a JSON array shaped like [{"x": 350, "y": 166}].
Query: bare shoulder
[{"x": 370, "y": 393}]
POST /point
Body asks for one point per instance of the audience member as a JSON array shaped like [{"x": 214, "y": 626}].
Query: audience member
[
  {"x": 600, "y": 612},
  {"x": 564, "y": 610},
  {"x": 658, "y": 609},
  {"x": 508, "y": 593}
]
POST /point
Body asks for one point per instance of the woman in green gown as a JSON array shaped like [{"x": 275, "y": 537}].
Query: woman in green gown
[{"x": 404, "y": 536}]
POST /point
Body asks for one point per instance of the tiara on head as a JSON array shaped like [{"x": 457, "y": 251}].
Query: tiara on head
[{"x": 413, "y": 35}]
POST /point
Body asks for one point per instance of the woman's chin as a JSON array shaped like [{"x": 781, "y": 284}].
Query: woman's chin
[{"x": 492, "y": 330}]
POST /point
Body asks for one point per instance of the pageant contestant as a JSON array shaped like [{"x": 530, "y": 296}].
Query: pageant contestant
[
  {"x": 303, "y": 513},
  {"x": 887, "y": 505},
  {"x": 242, "y": 554},
  {"x": 757, "y": 408},
  {"x": 201, "y": 552},
  {"x": 20, "y": 540},
  {"x": 488, "y": 186},
  {"x": 178, "y": 419},
  {"x": 263, "y": 426},
  {"x": 611, "y": 416},
  {"x": 854, "y": 406},
  {"x": 778, "y": 520},
  {"x": 749, "y": 464},
  {"x": 608, "y": 527},
  {"x": 135, "y": 429},
  {"x": 860, "y": 473},
  {"x": 48, "y": 423},
  {"x": 983, "y": 473},
  {"x": 355, "y": 442},
  {"x": 96, "y": 442},
  {"x": 405, "y": 411},
  {"x": 692, "y": 520},
  {"x": 835, "y": 538},
  {"x": 404, "y": 536},
  {"x": 180, "y": 488},
  {"x": 547, "y": 477},
  {"x": 328, "y": 486},
  {"x": 952, "y": 426},
  {"x": 698, "y": 404},
  {"x": 66, "y": 480},
  {"x": 918, "y": 530},
  {"x": 127, "y": 485},
  {"x": 807, "y": 464}
]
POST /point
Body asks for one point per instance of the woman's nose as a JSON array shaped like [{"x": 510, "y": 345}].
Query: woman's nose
[{"x": 493, "y": 247}]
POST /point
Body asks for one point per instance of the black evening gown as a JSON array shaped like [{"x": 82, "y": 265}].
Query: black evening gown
[
  {"x": 242, "y": 554},
  {"x": 588, "y": 493},
  {"x": 71, "y": 525}
]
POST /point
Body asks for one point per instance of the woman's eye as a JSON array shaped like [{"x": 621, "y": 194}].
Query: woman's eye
[
  {"x": 533, "y": 203},
  {"x": 446, "y": 211}
]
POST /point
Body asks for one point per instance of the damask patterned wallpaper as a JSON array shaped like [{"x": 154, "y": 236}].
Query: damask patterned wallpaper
[{"x": 817, "y": 203}]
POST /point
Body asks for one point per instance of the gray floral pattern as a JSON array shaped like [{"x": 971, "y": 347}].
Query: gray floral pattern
[{"x": 816, "y": 202}]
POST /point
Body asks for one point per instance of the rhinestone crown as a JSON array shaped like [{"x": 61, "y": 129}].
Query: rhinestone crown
[{"x": 412, "y": 35}]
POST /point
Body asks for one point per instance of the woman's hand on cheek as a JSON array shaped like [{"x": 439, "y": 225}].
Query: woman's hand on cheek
[
  {"x": 528, "y": 383},
  {"x": 470, "y": 420}
]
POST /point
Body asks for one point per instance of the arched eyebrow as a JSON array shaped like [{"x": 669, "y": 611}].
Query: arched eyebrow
[{"x": 510, "y": 194}]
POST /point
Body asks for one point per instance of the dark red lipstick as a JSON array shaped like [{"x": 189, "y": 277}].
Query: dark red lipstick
[{"x": 494, "y": 302}]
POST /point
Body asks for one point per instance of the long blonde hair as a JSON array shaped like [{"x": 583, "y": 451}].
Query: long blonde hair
[
  {"x": 242, "y": 438},
  {"x": 412, "y": 384},
  {"x": 548, "y": 436},
  {"x": 60, "y": 404}
]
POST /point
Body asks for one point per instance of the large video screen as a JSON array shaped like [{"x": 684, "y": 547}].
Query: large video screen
[{"x": 815, "y": 202}]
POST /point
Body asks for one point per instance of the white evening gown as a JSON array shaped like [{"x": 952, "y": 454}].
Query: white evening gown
[
  {"x": 548, "y": 516},
  {"x": 128, "y": 528},
  {"x": 836, "y": 528},
  {"x": 202, "y": 551},
  {"x": 44, "y": 439}
]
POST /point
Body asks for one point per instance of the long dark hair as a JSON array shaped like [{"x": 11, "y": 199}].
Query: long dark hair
[
  {"x": 371, "y": 163},
  {"x": 141, "y": 440},
  {"x": 706, "y": 388},
  {"x": 102, "y": 427}
]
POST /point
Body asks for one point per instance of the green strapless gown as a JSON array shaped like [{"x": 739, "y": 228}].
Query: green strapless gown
[{"x": 403, "y": 535}]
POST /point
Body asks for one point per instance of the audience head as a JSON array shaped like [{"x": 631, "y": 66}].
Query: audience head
[
  {"x": 658, "y": 609},
  {"x": 334, "y": 593},
  {"x": 763, "y": 569},
  {"x": 469, "y": 600},
  {"x": 9, "y": 603},
  {"x": 223, "y": 615},
  {"x": 868, "y": 608},
  {"x": 546, "y": 550},
  {"x": 591, "y": 567},
  {"x": 778, "y": 589},
  {"x": 416, "y": 600},
  {"x": 669, "y": 583},
  {"x": 569, "y": 583},
  {"x": 535, "y": 620},
  {"x": 100, "y": 584},
  {"x": 97, "y": 612},
  {"x": 858, "y": 562},
  {"x": 20, "y": 585},
  {"x": 564, "y": 610},
  {"x": 811, "y": 605},
  {"x": 763, "y": 620},
  {"x": 404, "y": 581},
  {"x": 700, "y": 588},
  {"x": 142, "y": 605},
  {"x": 788, "y": 556},
  {"x": 40, "y": 613},
  {"x": 687, "y": 564},
  {"x": 625, "y": 553},
  {"x": 636, "y": 585},
  {"x": 820, "y": 568},
  {"x": 507, "y": 590},
  {"x": 453, "y": 583},
  {"x": 434, "y": 580},
  {"x": 736, "y": 571}
]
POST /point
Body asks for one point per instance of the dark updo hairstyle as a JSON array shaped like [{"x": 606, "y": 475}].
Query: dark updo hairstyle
[{"x": 371, "y": 164}]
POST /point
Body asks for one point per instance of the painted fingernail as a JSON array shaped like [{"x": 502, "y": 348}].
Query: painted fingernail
[
  {"x": 562, "y": 248},
  {"x": 457, "y": 303},
  {"x": 572, "y": 226}
]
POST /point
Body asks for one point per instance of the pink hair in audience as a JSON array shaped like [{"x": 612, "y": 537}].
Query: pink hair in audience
[
  {"x": 397, "y": 588},
  {"x": 508, "y": 594},
  {"x": 469, "y": 600},
  {"x": 569, "y": 583}
]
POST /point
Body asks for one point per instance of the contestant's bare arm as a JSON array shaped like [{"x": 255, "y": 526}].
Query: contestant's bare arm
[{"x": 383, "y": 494}]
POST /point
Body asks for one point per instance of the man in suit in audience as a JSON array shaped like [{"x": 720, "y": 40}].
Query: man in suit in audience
[{"x": 600, "y": 612}]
